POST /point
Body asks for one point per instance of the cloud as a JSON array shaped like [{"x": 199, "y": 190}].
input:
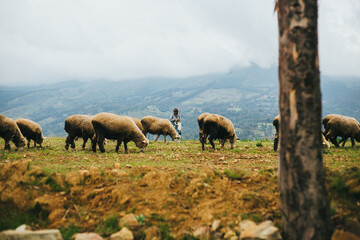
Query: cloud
[{"x": 47, "y": 40}]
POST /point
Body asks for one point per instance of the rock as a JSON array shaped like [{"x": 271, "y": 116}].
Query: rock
[
  {"x": 129, "y": 221},
  {"x": 116, "y": 165},
  {"x": 202, "y": 232},
  {"x": 341, "y": 235},
  {"x": 87, "y": 236},
  {"x": 49, "y": 234},
  {"x": 128, "y": 166},
  {"x": 230, "y": 234},
  {"x": 215, "y": 225},
  {"x": 124, "y": 234},
  {"x": 56, "y": 214},
  {"x": 247, "y": 229},
  {"x": 23, "y": 227},
  {"x": 266, "y": 230},
  {"x": 152, "y": 233}
]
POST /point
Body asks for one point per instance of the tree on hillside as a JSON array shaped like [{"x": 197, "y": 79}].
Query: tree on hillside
[{"x": 304, "y": 199}]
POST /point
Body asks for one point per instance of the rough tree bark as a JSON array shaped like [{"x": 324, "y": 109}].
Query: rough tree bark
[{"x": 304, "y": 199}]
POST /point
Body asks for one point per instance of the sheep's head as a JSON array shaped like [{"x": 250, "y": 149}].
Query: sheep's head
[
  {"x": 19, "y": 142},
  {"x": 142, "y": 144},
  {"x": 175, "y": 137},
  {"x": 40, "y": 139}
]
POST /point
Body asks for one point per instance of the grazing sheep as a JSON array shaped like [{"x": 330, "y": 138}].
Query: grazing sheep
[
  {"x": 138, "y": 123},
  {"x": 10, "y": 131},
  {"x": 30, "y": 130},
  {"x": 342, "y": 126},
  {"x": 159, "y": 126},
  {"x": 200, "y": 120},
  {"x": 78, "y": 126},
  {"x": 276, "y": 123},
  {"x": 218, "y": 127},
  {"x": 120, "y": 128}
]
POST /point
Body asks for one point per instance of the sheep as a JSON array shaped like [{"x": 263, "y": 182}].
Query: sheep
[
  {"x": 200, "y": 120},
  {"x": 342, "y": 126},
  {"x": 78, "y": 126},
  {"x": 120, "y": 128},
  {"x": 276, "y": 123},
  {"x": 138, "y": 123},
  {"x": 218, "y": 127},
  {"x": 159, "y": 126},
  {"x": 31, "y": 131},
  {"x": 10, "y": 131}
]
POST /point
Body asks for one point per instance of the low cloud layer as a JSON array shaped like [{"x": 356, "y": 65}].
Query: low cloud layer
[{"x": 48, "y": 41}]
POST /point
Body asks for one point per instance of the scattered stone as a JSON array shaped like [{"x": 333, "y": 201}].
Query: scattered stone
[
  {"x": 215, "y": 225},
  {"x": 129, "y": 221},
  {"x": 124, "y": 234},
  {"x": 128, "y": 166},
  {"x": 202, "y": 232},
  {"x": 222, "y": 158},
  {"x": 49, "y": 234},
  {"x": 265, "y": 230},
  {"x": 230, "y": 234},
  {"x": 87, "y": 236},
  {"x": 117, "y": 165},
  {"x": 341, "y": 235},
  {"x": 23, "y": 227}
]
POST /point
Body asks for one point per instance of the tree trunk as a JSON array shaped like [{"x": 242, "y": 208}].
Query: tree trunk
[{"x": 304, "y": 199}]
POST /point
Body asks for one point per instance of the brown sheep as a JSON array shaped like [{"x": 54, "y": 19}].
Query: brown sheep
[
  {"x": 31, "y": 131},
  {"x": 120, "y": 128},
  {"x": 342, "y": 126},
  {"x": 138, "y": 123},
  {"x": 10, "y": 131},
  {"x": 200, "y": 120},
  {"x": 276, "y": 123},
  {"x": 218, "y": 127},
  {"x": 78, "y": 126},
  {"x": 159, "y": 126}
]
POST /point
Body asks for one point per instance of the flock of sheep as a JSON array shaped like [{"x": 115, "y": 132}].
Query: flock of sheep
[{"x": 111, "y": 126}]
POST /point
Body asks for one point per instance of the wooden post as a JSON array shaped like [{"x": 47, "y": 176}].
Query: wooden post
[{"x": 304, "y": 198}]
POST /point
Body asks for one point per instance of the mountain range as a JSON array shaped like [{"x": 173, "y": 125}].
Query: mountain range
[{"x": 247, "y": 96}]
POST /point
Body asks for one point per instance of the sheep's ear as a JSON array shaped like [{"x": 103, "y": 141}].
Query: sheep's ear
[{"x": 144, "y": 141}]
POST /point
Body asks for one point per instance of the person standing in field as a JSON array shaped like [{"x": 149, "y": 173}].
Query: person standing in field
[{"x": 176, "y": 121}]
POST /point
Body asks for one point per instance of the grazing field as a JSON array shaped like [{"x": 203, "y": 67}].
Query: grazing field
[{"x": 172, "y": 187}]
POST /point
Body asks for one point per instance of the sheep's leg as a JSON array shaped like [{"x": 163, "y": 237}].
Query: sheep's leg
[
  {"x": 333, "y": 140},
  {"x": 119, "y": 141},
  {"x": 222, "y": 143},
  {"x": 352, "y": 142},
  {"x": 276, "y": 142},
  {"x": 100, "y": 140},
  {"x": 84, "y": 144},
  {"x": 28, "y": 143},
  {"x": 343, "y": 140},
  {"x": 125, "y": 147},
  {"x": 164, "y": 137},
  {"x": 93, "y": 143},
  {"x": 211, "y": 140},
  {"x": 7, "y": 145},
  {"x": 157, "y": 137},
  {"x": 34, "y": 143},
  {"x": 203, "y": 138}
]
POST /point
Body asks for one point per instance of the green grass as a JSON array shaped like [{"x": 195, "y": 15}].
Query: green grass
[{"x": 109, "y": 226}]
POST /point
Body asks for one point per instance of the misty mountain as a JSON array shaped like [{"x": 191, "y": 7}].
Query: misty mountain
[{"x": 247, "y": 96}]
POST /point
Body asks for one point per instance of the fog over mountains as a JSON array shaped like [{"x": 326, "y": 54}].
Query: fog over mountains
[{"x": 247, "y": 96}]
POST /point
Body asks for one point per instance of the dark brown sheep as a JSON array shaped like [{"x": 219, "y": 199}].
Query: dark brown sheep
[
  {"x": 10, "y": 131},
  {"x": 115, "y": 127},
  {"x": 78, "y": 126},
  {"x": 31, "y": 131},
  {"x": 341, "y": 126},
  {"x": 159, "y": 126},
  {"x": 218, "y": 127}
]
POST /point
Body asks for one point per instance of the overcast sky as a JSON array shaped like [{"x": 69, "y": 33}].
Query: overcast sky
[{"x": 49, "y": 41}]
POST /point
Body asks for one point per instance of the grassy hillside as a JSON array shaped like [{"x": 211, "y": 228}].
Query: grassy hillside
[
  {"x": 248, "y": 97},
  {"x": 172, "y": 187}
]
